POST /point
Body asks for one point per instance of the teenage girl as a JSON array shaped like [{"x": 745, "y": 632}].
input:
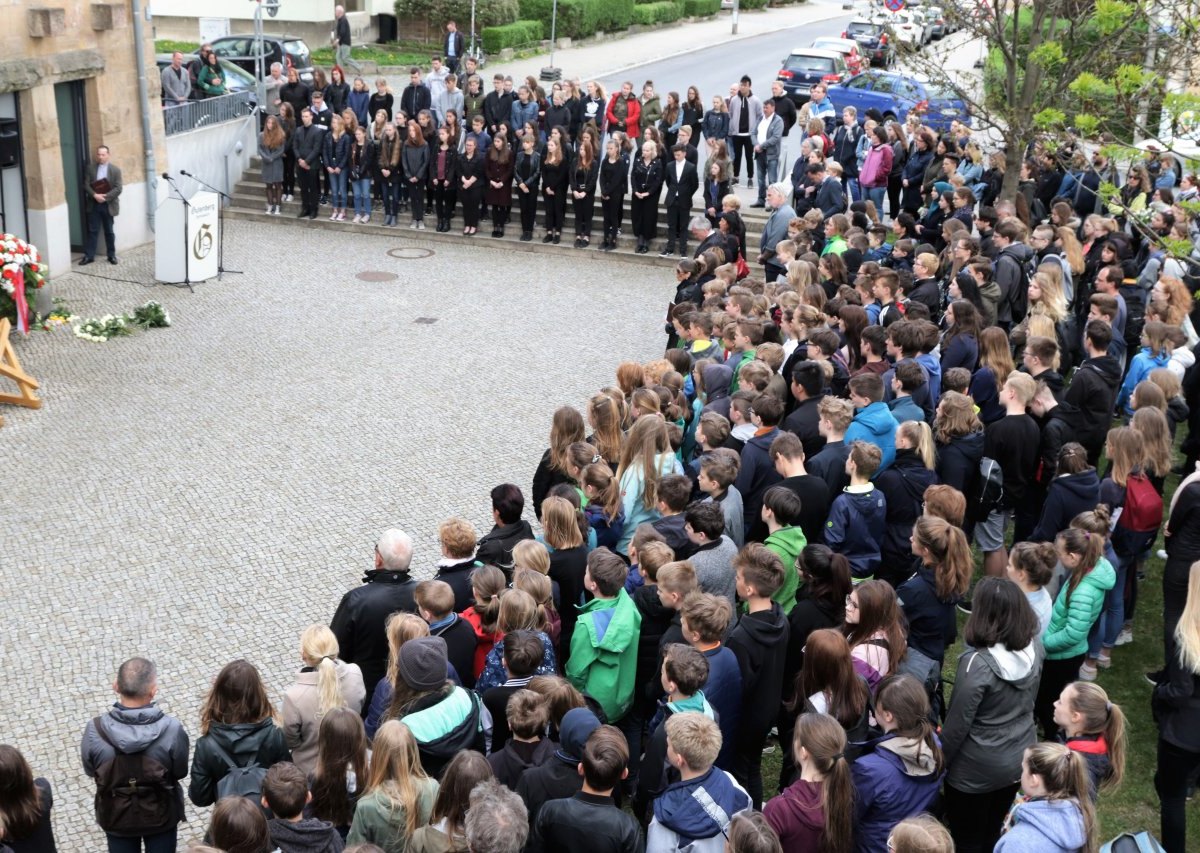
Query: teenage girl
[
  {"x": 1055, "y": 815},
  {"x": 1094, "y": 727}
]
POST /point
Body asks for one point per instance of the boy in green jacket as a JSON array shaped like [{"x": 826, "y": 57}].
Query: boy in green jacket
[
  {"x": 781, "y": 513},
  {"x": 603, "y": 661}
]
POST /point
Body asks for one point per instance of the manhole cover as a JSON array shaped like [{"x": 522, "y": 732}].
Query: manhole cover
[
  {"x": 425, "y": 321},
  {"x": 376, "y": 275},
  {"x": 410, "y": 253}
]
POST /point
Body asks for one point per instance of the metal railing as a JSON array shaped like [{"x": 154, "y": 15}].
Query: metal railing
[{"x": 197, "y": 114}]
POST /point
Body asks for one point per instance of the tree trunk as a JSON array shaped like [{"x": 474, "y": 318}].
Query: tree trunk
[{"x": 1014, "y": 157}]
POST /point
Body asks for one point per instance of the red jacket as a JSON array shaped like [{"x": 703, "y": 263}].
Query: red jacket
[
  {"x": 484, "y": 640},
  {"x": 633, "y": 112}
]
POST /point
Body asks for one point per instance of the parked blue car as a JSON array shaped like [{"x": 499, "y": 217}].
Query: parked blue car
[{"x": 895, "y": 95}]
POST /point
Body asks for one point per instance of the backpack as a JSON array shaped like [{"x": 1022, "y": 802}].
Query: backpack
[
  {"x": 239, "y": 781},
  {"x": 988, "y": 494},
  {"x": 135, "y": 794},
  {"x": 1143, "y": 508},
  {"x": 1127, "y": 842}
]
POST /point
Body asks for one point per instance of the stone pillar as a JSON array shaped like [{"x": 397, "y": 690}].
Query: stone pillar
[{"x": 45, "y": 188}]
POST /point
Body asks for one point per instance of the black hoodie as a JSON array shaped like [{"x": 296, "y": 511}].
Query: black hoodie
[
  {"x": 1093, "y": 391},
  {"x": 759, "y": 642},
  {"x": 656, "y": 619},
  {"x": 1066, "y": 497},
  {"x": 496, "y": 545},
  {"x": 903, "y": 483},
  {"x": 1062, "y": 425},
  {"x": 306, "y": 836}
]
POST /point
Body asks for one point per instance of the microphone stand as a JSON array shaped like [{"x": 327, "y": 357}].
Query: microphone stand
[
  {"x": 187, "y": 261},
  {"x": 220, "y": 226}
]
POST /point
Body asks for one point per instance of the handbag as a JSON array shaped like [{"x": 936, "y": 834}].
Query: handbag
[{"x": 742, "y": 269}]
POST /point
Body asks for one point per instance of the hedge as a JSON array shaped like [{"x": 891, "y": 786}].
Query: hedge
[
  {"x": 661, "y": 12},
  {"x": 753, "y": 4},
  {"x": 701, "y": 8},
  {"x": 580, "y": 18},
  {"x": 516, "y": 34}
]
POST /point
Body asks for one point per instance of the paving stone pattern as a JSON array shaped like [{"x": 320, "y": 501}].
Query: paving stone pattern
[{"x": 204, "y": 492}]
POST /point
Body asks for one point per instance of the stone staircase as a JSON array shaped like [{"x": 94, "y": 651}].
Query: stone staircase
[{"x": 249, "y": 202}]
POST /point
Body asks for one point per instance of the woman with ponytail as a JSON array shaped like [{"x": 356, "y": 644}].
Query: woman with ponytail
[
  {"x": 903, "y": 484},
  {"x": 816, "y": 813},
  {"x": 1055, "y": 815},
  {"x": 1094, "y": 727},
  {"x": 566, "y": 428},
  {"x": 646, "y": 458},
  {"x": 941, "y": 580},
  {"x": 1176, "y": 706},
  {"x": 989, "y": 722},
  {"x": 604, "y": 512},
  {"x": 323, "y": 683},
  {"x": 899, "y": 777},
  {"x": 1089, "y": 578}
]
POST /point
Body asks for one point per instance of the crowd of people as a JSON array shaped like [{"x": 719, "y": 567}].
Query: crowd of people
[{"x": 767, "y": 532}]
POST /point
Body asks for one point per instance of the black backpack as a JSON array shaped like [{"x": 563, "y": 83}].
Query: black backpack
[
  {"x": 988, "y": 494},
  {"x": 135, "y": 794},
  {"x": 239, "y": 781}
]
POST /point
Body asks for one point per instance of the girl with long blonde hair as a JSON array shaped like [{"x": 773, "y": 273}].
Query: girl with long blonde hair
[
  {"x": 604, "y": 511},
  {"x": 518, "y": 612},
  {"x": 604, "y": 417},
  {"x": 566, "y": 428},
  {"x": 399, "y": 796},
  {"x": 324, "y": 683},
  {"x": 1054, "y": 781},
  {"x": 995, "y": 363},
  {"x": 645, "y": 459},
  {"x": 1094, "y": 726},
  {"x": 1046, "y": 292}
]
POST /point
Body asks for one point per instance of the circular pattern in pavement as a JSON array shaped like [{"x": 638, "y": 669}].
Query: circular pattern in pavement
[
  {"x": 410, "y": 253},
  {"x": 376, "y": 275}
]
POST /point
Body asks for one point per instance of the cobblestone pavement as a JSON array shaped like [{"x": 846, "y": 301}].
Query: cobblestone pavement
[{"x": 204, "y": 492}]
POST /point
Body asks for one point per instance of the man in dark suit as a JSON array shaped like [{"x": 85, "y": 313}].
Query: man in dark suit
[
  {"x": 103, "y": 203},
  {"x": 452, "y": 47},
  {"x": 682, "y": 182},
  {"x": 703, "y": 231}
]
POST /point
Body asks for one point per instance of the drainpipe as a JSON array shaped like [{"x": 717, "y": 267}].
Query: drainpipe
[{"x": 139, "y": 37}]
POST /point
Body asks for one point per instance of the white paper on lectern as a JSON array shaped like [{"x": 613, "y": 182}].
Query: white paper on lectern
[{"x": 185, "y": 237}]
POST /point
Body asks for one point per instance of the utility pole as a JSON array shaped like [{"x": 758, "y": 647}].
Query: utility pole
[{"x": 736, "y": 5}]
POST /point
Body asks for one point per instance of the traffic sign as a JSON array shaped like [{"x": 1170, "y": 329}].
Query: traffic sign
[{"x": 894, "y": 5}]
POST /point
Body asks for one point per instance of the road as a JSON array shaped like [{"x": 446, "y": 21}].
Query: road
[{"x": 712, "y": 69}]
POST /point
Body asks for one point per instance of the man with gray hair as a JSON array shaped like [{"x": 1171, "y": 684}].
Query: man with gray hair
[
  {"x": 273, "y": 85},
  {"x": 341, "y": 40},
  {"x": 703, "y": 233},
  {"x": 137, "y": 755},
  {"x": 361, "y": 617},
  {"x": 496, "y": 821},
  {"x": 775, "y": 229}
]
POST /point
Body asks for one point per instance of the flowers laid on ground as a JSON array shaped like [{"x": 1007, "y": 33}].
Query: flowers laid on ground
[
  {"x": 99, "y": 329},
  {"x": 21, "y": 269}
]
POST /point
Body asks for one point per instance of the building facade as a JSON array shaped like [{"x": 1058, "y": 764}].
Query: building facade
[{"x": 69, "y": 83}]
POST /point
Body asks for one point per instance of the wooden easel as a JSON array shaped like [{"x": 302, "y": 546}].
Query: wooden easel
[{"x": 10, "y": 368}]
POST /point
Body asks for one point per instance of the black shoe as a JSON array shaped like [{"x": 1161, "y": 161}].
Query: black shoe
[
  {"x": 549, "y": 238},
  {"x": 667, "y": 252},
  {"x": 324, "y": 200},
  {"x": 578, "y": 243},
  {"x": 302, "y": 214},
  {"x": 312, "y": 215},
  {"x": 683, "y": 252},
  {"x": 736, "y": 180},
  {"x": 86, "y": 261},
  {"x": 557, "y": 238},
  {"x": 112, "y": 259},
  {"x": 526, "y": 236},
  {"x": 758, "y": 204}
]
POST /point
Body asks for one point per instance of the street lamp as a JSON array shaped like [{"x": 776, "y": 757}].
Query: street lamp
[{"x": 272, "y": 9}]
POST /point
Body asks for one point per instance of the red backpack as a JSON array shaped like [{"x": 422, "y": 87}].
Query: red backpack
[{"x": 1143, "y": 510}]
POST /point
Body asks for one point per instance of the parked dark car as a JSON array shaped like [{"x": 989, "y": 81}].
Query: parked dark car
[
  {"x": 236, "y": 80},
  {"x": 289, "y": 51},
  {"x": 895, "y": 95},
  {"x": 805, "y": 67},
  {"x": 873, "y": 40}
]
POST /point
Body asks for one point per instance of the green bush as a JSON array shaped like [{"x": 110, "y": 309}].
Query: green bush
[
  {"x": 580, "y": 18},
  {"x": 753, "y": 4},
  {"x": 701, "y": 8},
  {"x": 516, "y": 34},
  {"x": 493, "y": 13},
  {"x": 661, "y": 12}
]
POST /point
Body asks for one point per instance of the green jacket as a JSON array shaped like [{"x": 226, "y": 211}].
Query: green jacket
[
  {"x": 604, "y": 648},
  {"x": 1067, "y": 634},
  {"x": 205, "y": 81},
  {"x": 745, "y": 358},
  {"x": 836, "y": 246},
  {"x": 787, "y": 542},
  {"x": 376, "y": 822}
]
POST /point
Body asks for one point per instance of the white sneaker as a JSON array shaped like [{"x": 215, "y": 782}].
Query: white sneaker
[
  {"x": 421, "y": 225},
  {"x": 277, "y": 210},
  {"x": 413, "y": 225},
  {"x": 1125, "y": 637},
  {"x": 268, "y": 210},
  {"x": 357, "y": 219},
  {"x": 366, "y": 219},
  {"x": 1088, "y": 671}
]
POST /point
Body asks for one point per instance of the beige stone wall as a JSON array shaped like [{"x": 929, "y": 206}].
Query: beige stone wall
[{"x": 78, "y": 40}]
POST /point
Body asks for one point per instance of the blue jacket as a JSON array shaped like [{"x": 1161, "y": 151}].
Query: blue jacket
[
  {"x": 522, "y": 113},
  {"x": 1044, "y": 826},
  {"x": 962, "y": 351},
  {"x": 855, "y": 529},
  {"x": 933, "y": 369},
  {"x": 756, "y": 475},
  {"x": 1139, "y": 369},
  {"x": 494, "y": 674},
  {"x": 337, "y": 154},
  {"x": 904, "y": 409},
  {"x": 874, "y": 424},
  {"x": 723, "y": 690},
  {"x": 895, "y": 779},
  {"x": 932, "y": 624},
  {"x": 1067, "y": 496},
  {"x": 360, "y": 103},
  {"x": 697, "y": 810},
  {"x": 608, "y": 533}
]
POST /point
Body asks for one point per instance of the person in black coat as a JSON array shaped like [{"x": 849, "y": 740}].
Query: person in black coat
[
  {"x": 582, "y": 187},
  {"x": 470, "y": 184},
  {"x": 959, "y": 438},
  {"x": 443, "y": 179},
  {"x": 903, "y": 483},
  {"x": 716, "y": 187},
  {"x": 308, "y": 145},
  {"x": 682, "y": 182},
  {"x": 646, "y": 181},
  {"x": 358, "y": 623},
  {"x": 27, "y": 806},
  {"x": 559, "y": 777},
  {"x": 415, "y": 96},
  {"x": 614, "y": 177},
  {"x": 556, "y": 175},
  {"x": 527, "y": 176},
  {"x": 496, "y": 546}
]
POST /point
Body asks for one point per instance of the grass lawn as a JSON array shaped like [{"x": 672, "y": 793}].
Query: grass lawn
[
  {"x": 1133, "y": 807},
  {"x": 398, "y": 53}
]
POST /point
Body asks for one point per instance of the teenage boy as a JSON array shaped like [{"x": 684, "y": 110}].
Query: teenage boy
[
  {"x": 781, "y": 513},
  {"x": 1103, "y": 307},
  {"x": 700, "y": 326},
  {"x": 759, "y": 642},
  {"x": 901, "y": 257},
  {"x": 717, "y": 473},
  {"x": 858, "y": 517},
  {"x": 807, "y": 389},
  {"x": 1040, "y": 360},
  {"x": 590, "y": 820},
  {"x": 525, "y": 716},
  {"x": 457, "y": 539},
  {"x": 747, "y": 334},
  {"x": 927, "y": 338},
  {"x": 713, "y": 551},
  {"x": 435, "y": 604},
  {"x": 559, "y": 777},
  {"x": 925, "y": 288},
  {"x": 830, "y": 463},
  {"x": 522, "y": 656},
  {"x": 904, "y": 342},
  {"x": 285, "y": 793},
  {"x": 1013, "y": 442},
  {"x": 674, "y": 494},
  {"x": 693, "y": 744},
  {"x": 873, "y": 422},
  {"x": 682, "y": 676},
  {"x": 1094, "y": 387},
  {"x": 880, "y": 248},
  {"x": 757, "y": 472},
  {"x": 704, "y": 620},
  {"x": 604, "y": 646},
  {"x": 788, "y": 454},
  {"x": 907, "y": 377},
  {"x": 823, "y": 345},
  {"x": 642, "y": 536},
  {"x": 682, "y": 181},
  {"x": 508, "y": 528},
  {"x": 872, "y": 346},
  {"x": 711, "y": 433},
  {"x": 676, "y": 581}
]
